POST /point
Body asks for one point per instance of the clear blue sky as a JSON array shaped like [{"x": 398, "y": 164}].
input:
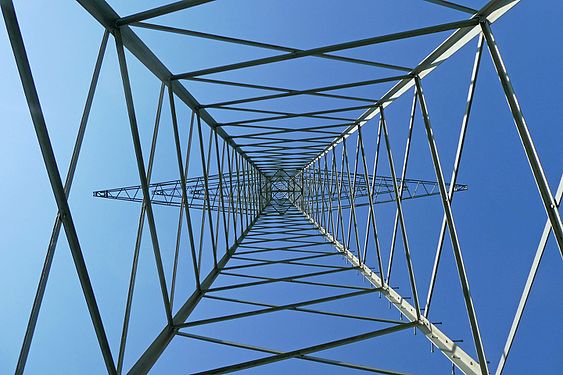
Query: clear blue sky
[{"x": 499, "y": 219}]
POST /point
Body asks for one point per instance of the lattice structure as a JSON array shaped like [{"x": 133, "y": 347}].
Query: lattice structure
[
  {"x": 281, "y": 186},
  {"x": 275, "y": 193}
]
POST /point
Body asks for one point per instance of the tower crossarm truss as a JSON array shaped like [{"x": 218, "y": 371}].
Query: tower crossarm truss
[{"x": 169, "y": 193}]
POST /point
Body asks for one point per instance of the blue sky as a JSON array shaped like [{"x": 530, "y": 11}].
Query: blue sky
[{"x": 499, "y": 219}]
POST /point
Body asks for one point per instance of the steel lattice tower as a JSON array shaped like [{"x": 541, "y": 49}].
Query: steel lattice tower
[{"x": 272, "y": 193}]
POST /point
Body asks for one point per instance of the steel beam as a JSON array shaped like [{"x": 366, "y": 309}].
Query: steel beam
[
  {"x": 528, "y": 286},
  {"x": 452, "y": 232},
  {"x": 160, "y": 11},
  {"x": 447, "y": 346},
  {"x": 525, "y": 137}
]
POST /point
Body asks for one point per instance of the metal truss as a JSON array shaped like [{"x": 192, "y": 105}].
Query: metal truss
[
  {"x": 169, "y": 193},
  {"x": 276, "y": 192},
  {"x": 198, "y": 190}
]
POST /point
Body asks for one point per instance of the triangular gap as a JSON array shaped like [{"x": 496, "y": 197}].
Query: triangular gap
[
  {"x": 475, "y": 4},
  {"x": 398, "y": 120},
  {"x": 165, "y": 168},
  {"x": 514, "y": 245},
  {"x": 362, "y": 180},
  {"x": 529, "y": 329},
  {"x": 232, "y": 158},
  {"x": 276, "y": 126},
  {"x": 226, "y": 220},
  {"x": 209, "y": 90},
  {"x": 215, "y": 197},
  {"x": 184, "y": 279},
  {"x": 448, "y": 304},
  {"x": 319, "y": 107},
  {"x": 226, "y": 233},
  {"x": 191, "y": 355},
  {"x": 380, "y": 192},
  {"x": 446, "y": 127},
  {"x": 371, "y": 132},
  {"x": 122, "y": 224},
  {"x": 221, "y": 214},
  {"x": 242, "y": 123},
  {"x": 330, "y": 168},
  {"x": 343, "y": 216},
  {"x": 230, "y": 191},
  {"x": 383, "y": 190},
  {"x": 369, "y": 135},
  {"x": 56, "y": 323},
  {"x": 352, "y": 164},
  {"x": 302, "y": 333},
  {"x": 149, "y": 320},
  {"x": 185, "y": 276},
  {"x": 147, "y": 316},
  {"x": 310, "y": 20},
  {"x": 407, "y": 52},
  {"x": 323, "y": 193},
  {"x": 343, "y": 213},
  {"x": 371, "y": 91},
  {"x": 165, "y": 164},
  {"x": 497, "y": 162},
  {"x": 204, "y": 250},
  {"x": 190, "y": 241},
  {"x": 31, "y": 223},
  {"x": 409, "y": 352},
  {"x": 282, "y": 74},
  {"x": 94, "y": 218},
  {"x": 179, "y": 266},
  {"x": 209, "y": 52},
  {"x": 395, "y": 263}
]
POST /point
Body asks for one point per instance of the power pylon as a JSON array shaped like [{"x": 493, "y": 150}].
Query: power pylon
[{"x": 297, "y": 201}]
